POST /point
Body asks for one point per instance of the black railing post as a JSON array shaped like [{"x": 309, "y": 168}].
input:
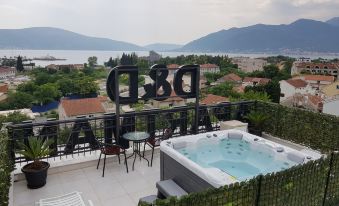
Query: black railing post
[
  {"x": 197, "y": 92},
  {"x": 328, "y": 178},
  {"x": 10, "y": 134},
  {"x": 257, "y": 199}
]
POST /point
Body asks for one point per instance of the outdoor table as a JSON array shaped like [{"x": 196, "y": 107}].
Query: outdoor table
[{"x": 137, "y": 138}]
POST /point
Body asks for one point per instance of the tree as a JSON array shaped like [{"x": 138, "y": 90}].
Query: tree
[
  {"x": 272, "y": 89},
  {"x": 19, "y": 65},
  {"x": 19, "y": 100},
  {"x": 28, "y": 87},
  {"x": 86, "y": 86},
  {"x": 92, "y": 61},
  {"x": 224, "y": 89},
  {"x": 47, "y": 93},
  {"x": 66, "y": 86}
]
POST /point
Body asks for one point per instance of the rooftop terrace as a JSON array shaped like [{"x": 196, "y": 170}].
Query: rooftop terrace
[{"x": 73, "y": 164}]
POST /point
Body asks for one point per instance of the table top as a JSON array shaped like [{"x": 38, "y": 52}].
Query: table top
[{"x": 136, "y": 136}]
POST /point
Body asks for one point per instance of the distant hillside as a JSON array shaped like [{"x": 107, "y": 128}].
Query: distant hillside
[
  {"x": 163, "y": 47},
  {"x": 302, "y": 35},
  {"x": 334, "y": 21},
  {"x": 53, "y": 38}
]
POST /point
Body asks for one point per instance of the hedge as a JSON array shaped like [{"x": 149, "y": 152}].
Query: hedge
[
  {"x": 6, "y": 167},
  {"x": 314, "y": 130},
  {"x": 315, "y": 183}
]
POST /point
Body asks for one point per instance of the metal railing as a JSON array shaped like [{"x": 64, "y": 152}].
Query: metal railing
[{"x": 79, "y": 136}]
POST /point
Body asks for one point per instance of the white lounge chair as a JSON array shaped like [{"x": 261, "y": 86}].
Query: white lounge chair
[{"x": 71, "y": 199}]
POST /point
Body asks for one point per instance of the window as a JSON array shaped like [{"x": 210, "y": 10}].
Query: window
[
  {"x": 338, "y": 86},
  {"x": 283, "y": 95}
]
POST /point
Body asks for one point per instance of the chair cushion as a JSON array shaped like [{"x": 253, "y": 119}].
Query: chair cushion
[
  {"x": 111, "y": 150},
  {"x": 152, "y": 141}
]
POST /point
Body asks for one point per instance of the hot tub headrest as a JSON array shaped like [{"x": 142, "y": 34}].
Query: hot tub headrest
[
  {"x": 295, "y": 157},
  {"x": 179, "y": 145},
  {"x": 235, "y": 135}
]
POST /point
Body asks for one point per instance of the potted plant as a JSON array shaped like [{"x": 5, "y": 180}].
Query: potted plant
[
  {"x": 256, "y": 121},
  {"x": 36, "y": 171}
]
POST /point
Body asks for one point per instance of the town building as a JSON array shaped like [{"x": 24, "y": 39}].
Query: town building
[
  {"x": 212, "y": 68},
  {"x": 331, "y": 107},
  {"x": 72, "y": 108},
  {"x": 331, "y": 91},
  {"x": 232, "y": 78},
  {"x": 65, "y": 67},
  {"x": 253, "y": 81},
  {"x": 173, "y": 100},
  {"x": 317, "y": 81},
  {"x": 7, "y": 72},
  {"x": 3, "y": 91},
  {"x": 325, "y": 68},
  {"x": 294, "y": 86},
  {"x": 211, "y": 99},
  {"x": 248, "y": 64},
  {"x": 172, "y": 68},
  {"x": 304, "y": 59}
]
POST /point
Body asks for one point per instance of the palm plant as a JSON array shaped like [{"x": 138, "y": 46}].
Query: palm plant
[
  {"x": 257, "y": 119},
  {"x": 36, "y": 149}
]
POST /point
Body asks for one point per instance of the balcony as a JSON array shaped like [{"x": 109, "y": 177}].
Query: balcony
[{"x": 73, "y": 162}]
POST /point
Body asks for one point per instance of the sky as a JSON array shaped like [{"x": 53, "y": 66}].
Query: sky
[{"x": 158, "y": 21}]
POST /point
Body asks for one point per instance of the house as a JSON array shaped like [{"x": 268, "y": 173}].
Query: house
[
  {"x": 65, "y": 67},
  {"x": 252, "y": 81},
  {"x": 232, "y": 78},
  {"x": 331, "y": 91},
  {"x": 325, "y": 68},
  {"x": 331, "y": 107},
  {"x": 314, "y": 103},
  {"x": 317, "y": 81},
  {"x": 212, "y": 68},
  {"x": 172, "y": 68},
  {"x": 7, "y": 72},
  {"x": 71, "y": 108},
  {"x": 248, "y": 64},
  {"x": 173, "y": 100},
  {"x": 293, "y": 86},
  {"x": 211, "y": 99},
  {"x": 3, "y": 92}
]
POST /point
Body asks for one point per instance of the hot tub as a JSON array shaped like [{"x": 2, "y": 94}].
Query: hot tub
[{"x": 215, "y": 159}]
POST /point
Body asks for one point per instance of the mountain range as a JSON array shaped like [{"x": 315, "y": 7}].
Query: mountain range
[{"x": 303, "y": 35}]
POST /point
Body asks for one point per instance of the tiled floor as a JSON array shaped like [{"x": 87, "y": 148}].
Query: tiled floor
[{"x": 117, "y": 188}]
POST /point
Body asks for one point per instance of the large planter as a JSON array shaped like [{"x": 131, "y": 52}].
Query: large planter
[
  {"x": 35, "y": 178},
  {"x": 255, "y": 131}
]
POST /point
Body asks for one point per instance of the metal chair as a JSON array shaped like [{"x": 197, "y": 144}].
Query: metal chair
[
  {"x": 111, "y": 149},
  {"x": 154, "y": 142}
]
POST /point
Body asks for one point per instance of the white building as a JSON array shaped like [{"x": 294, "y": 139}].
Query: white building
[
  {"x": 7, "y": 72},
  {"x": 212, "y": 68},
  {"x": 294, "y": 86},
  {"x": 331, "y": 107},
  {"x": 248, "y": 64}
]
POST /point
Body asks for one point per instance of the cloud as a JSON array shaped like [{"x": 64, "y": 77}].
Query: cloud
[{"x": 149, "y": 21}]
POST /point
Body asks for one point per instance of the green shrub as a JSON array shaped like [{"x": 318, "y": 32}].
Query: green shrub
[
  {"x": 6, "y": 167},
  {"x": 318, "y": 131}
]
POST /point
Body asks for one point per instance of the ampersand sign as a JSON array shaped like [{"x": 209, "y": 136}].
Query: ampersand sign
[{"x": 159, "y": 75}]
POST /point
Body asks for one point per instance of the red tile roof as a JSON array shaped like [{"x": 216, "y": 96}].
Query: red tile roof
[
  {"x": 172, "y": 66},
  {"x": 315, "y": 100},
  {"x": 4, "y": 88},
  {"x": 257, "y": 79},
  {"x": 297, "y": 83},
  {"x": 75, "y": 107},
  {"x": 209, "y": 66},
  {"x": 311, "y": 65},
  {"x": 319, "y": 78},
  {"x": 213, "y": 99},
  {"x": 230, "y": 77}
]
